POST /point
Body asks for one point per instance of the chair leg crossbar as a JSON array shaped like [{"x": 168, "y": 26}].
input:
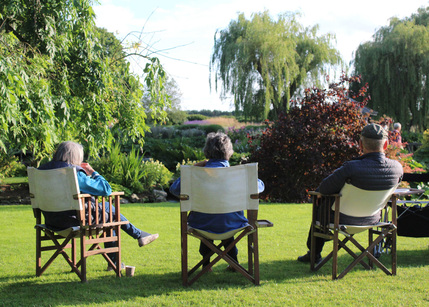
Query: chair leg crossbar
[
  {"x": 60, "y": 249},
  {"x": 223, "y": 254},
  {"x": 368, "y": 252}
]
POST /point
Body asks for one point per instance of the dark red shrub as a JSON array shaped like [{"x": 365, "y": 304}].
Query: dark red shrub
[{"x": 318, "y": 134}]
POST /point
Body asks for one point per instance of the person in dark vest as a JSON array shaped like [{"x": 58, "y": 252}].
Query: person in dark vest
[{"x": 70, "y": 154}]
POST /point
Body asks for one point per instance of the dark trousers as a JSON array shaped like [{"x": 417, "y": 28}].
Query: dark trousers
[
  {"x": 320, "y": 242},
  {"x": 204, "y": 250}
]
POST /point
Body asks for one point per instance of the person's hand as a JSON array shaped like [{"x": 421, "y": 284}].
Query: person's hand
[
  {"x": 88, "y": 168},
  {"x": 201, "y": 163}
]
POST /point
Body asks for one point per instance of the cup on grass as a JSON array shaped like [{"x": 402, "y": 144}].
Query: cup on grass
[{"x": 129, "y": 270}]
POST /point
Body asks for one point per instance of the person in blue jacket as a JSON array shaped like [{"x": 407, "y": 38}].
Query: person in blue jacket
[
  {"x": 70, "y": 154},
  {"x": 218, "y": 149}
]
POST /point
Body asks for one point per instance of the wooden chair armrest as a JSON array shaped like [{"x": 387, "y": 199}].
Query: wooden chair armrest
[
  {"x": 315, "y": 193},
  {"x": 117, "y": 193},
  {"x": 89, "y": 195},
  {"x": 264, "y": 223},
  {"x": 107, "y": 224}
]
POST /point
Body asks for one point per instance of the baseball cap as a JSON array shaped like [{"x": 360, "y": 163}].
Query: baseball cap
[{"x": 374, "y": 131}]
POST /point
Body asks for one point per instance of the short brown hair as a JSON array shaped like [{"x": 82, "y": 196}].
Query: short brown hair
[{"x": 218, "y": 146}]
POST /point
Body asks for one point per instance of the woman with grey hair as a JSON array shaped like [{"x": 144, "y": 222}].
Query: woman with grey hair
[
  {"x": 218, "y": 150},
  {"x": 396, "y": 133},
  {"x": 70, "y": 154}
]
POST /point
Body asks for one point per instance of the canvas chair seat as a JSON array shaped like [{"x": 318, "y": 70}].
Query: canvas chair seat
[
  {"x": 57, "y": 190},
  {"x": 217, "y": 236},
  {"x": 75, "y": 231},
  {"x": 354, "y": 202},
  {"x": 355, "y": 229},
  {"x": 221, "y": 190}
]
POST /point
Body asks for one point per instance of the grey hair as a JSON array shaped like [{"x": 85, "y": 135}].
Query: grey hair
[
  {"x": 397, "y": 126},
  {"x": 374, "y": 145},
  {"x": 218, "y": 146},
  {"x": 69, "y": 152}
]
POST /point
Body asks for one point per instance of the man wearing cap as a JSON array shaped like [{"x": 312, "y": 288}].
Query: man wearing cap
[{"x": 371, "y": 171}]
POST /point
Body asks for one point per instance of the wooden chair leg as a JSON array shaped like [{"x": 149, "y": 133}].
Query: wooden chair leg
[
  {"x": 73, "y": 251},
  {"x": 393, "y": 251},
  {"x": 118, "y": 255},
  {"x": 184, "y": 253},
  {"x": 335, "y": 255},
  {"x": 255, "y": 257},
  {"x": 370, "y": 240},
  {"x": 250, "y": 253},
  {"x": 38, "y": 251},
  {"x": 83, "y": 257}
]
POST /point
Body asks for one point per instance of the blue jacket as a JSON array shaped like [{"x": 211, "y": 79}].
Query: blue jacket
[
  {"x": 215, "y": 223},
  {"x": 94, "y": 184}
]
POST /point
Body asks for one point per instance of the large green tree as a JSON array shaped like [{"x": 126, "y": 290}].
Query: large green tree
[
  {"x": 62, "y": 78},
  {"x": 262, "y": 61},
  {"x": 396, "y": 67}
]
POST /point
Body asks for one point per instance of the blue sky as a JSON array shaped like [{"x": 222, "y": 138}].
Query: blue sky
[{"x": 183, "y": 31}]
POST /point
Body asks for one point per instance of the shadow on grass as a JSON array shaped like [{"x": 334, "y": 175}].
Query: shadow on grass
[
  {"x": 295, "y": 269},
  {"x": 20, "y": 290}
]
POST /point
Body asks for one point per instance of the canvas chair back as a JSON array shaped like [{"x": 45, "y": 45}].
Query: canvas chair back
[
  {"x": 54, "y": 190},
  {"x": 219, "y": 190},
  {"x": 57, "y": 190},
  {"x": 358, "y": 202}
]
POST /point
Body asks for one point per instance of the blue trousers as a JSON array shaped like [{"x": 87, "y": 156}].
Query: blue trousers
[{"x": 129, "y": 229}]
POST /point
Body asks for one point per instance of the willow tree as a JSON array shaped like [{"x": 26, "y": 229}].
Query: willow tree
[
  {"x": 263, "y": 61},
  {"x": 60, "y": 80},
  {"x": 396, "y": 67}
]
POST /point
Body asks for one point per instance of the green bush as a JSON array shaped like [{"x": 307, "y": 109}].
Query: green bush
[
  {"x": 194, "y": 132},
  {"x": 162, "y": 132},
  {"x": 120, "y": 188},
  {"x": 411, "y": 137},
  {"x": 422, "y": 154},
  {"x": 109, "y": 164},
  {"x": 131, "y": 171},
  {"x": 156, "y": 175},
  {"x": 11, "y": 167},
  {"x": 188, "y": 126},
  {"x": 192, "y": 117},
  {"x": 178, "y": 165},
  {"x": 176, "y": 117},
  {"x": 212, "y": 128},
  {"x": 170, "y": 152},
  {"x": 239, "y": 158}
]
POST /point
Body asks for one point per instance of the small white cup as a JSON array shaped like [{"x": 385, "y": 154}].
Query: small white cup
[{"x": 129, "y": 270}]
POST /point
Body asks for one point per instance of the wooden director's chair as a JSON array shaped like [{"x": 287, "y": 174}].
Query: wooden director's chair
[
  {"x": 57, "y": 190},
  {"x": 221, "y": 190},
  {"x": 353, "y": 201}
]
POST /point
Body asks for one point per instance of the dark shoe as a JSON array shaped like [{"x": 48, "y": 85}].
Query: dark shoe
[
  {"x": 109, "y": 268},
  {"x": 230, "y": 269},
  {"x": 210, "y": 270},
  {"x": 306, "y": 258}
]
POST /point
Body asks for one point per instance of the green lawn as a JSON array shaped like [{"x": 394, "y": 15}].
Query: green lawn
[{"x": 157, "y": 281}]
